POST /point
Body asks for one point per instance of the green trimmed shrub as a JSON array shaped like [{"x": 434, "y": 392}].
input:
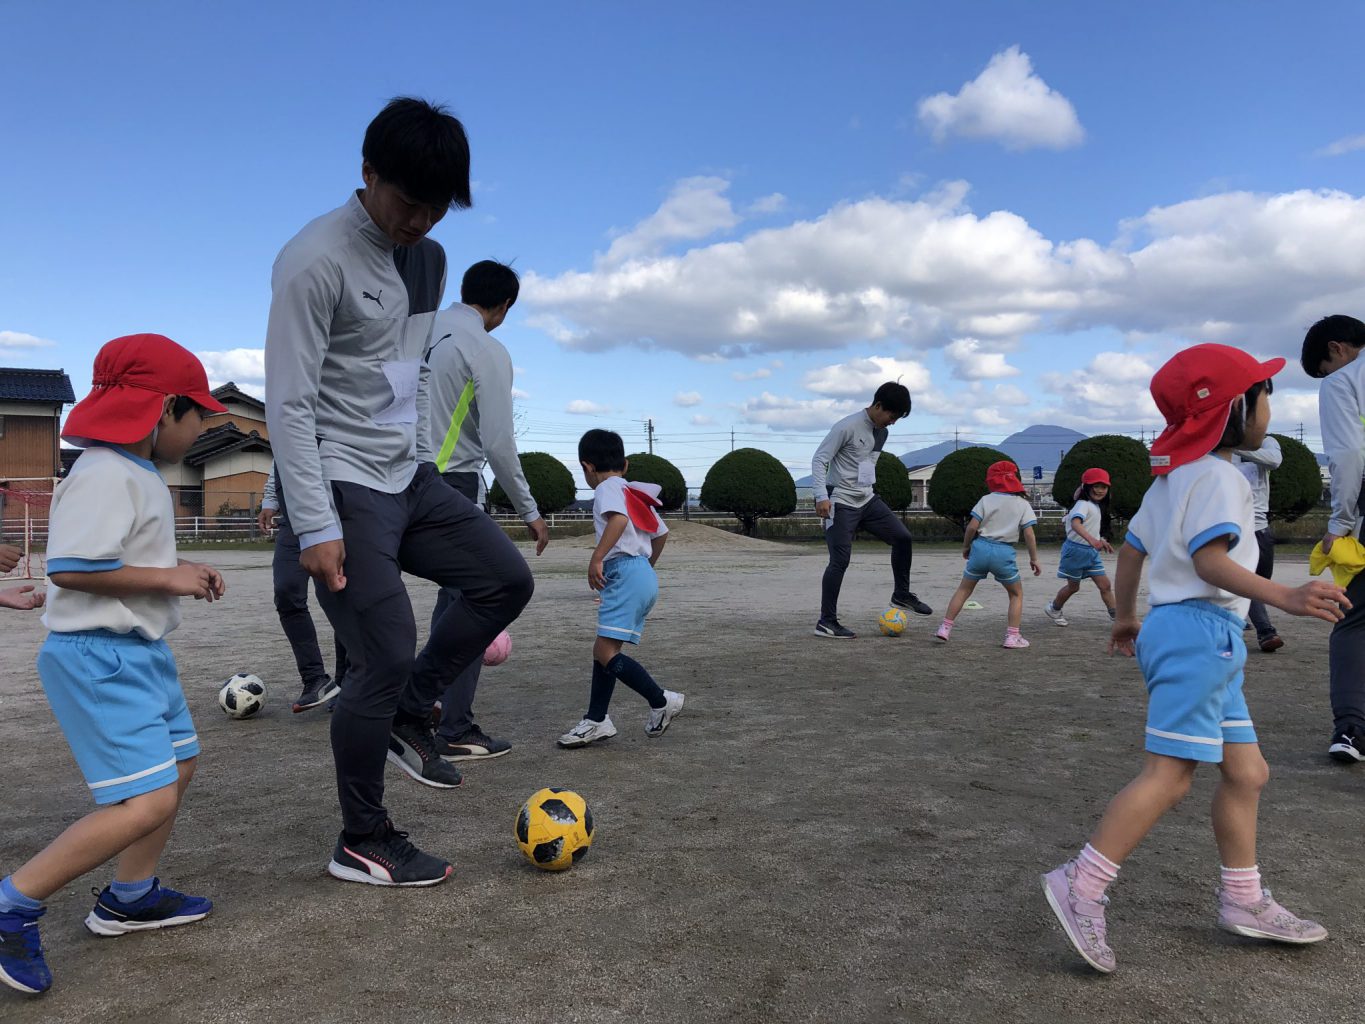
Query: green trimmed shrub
[
  {"x": 1126, "y": 459},
  {"x": 959, "y": 481},
  {"x": 551, "y": 483},
  {"x": 750, "y": 484},
  {"x": 655, "y": 469},
  {"x": 893, "y": 482},
  {"x": 1296, "y": 486}
]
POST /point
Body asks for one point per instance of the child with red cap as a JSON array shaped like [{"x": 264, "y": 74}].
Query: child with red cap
[
  {"x": 111, "y": 680},
  {"x": 1196, "y": 524},
  {"x": 1083, "y": 544},
  {"x": 996, "y": 522}
]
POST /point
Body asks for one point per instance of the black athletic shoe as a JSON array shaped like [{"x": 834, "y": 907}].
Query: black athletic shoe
[
  {"x": 413, "y": 748},
  {"x": 386, "y": 858},
  {"x": 316, "y": 693},
  {"x": 905, "y": 599},
  {"x": 831, "y": 630},
  {"x": 475, "y": 745},
  {"x": 1348, "y": 747}
]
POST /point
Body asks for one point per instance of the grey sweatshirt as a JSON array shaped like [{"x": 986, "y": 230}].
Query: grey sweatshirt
[
  {"x": 345, "y": 381},
  {"x": 470, "y": 384},
  {"x": 834, "y": 470},
  {"x": 1341, "y": 410},
  {"x": 1256, "y": 466}
]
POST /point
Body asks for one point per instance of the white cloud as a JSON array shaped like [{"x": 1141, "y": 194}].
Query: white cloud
[
  {"x": 520, "y": 394},
  {"x": 971, "y": 360},
  {"x": 1349, "y": 144},
  {"x": 1111, "y": 392},
  {"x": 255, "y": 390},
  {"x": 779, "y": 412},
  {"x": 696, "y": 208},
  {"x": 859, "y": 378},
  {"x": 988, "y": 417},
  {"x": 241, "y": 365},
  {"x": 1008, "y": 394},
  {"x": 583, "y": 407},
  {"x": 761, "y": 373},
  {"x": 774, "y": 203},
  {"x": 1007, "y": 102},
  {"x": 1289, "y": 408},
  {"x": 687, "y": 399},
  {"x": 18, "y": 340},
  {"x": 701, "y": 420}
]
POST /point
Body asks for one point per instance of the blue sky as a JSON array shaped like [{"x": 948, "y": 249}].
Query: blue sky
[{"x": 728, "y": 216}]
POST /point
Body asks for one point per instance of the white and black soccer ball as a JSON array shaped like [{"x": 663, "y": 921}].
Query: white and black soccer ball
[{"x": 242, "y": 696}]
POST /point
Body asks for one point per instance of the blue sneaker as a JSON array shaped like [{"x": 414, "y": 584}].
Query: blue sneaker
[
  {"x": 160, "y": 908},
  {"x": 21, "y": 953}
]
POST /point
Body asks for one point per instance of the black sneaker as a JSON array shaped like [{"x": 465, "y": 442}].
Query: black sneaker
[
  {"x": 1347, "y": 747},
  {"x": 831, "y": 630},
  {"x": 475, "y": 745},
  {"x": 905, "y": 599},
  {"x": 386, "y": 858},
  {"x": 413, "y": 748},
  {"x": 316, "y": 693}
]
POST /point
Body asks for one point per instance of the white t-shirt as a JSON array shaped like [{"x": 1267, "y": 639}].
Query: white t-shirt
[
  {"x": 1001, "y": 516},
  {"x": 1181, "y": 512},
  {"x": 1090, "y": 516},
  {"x": 610, "y": 496},
  {"x": 112, "y": 510}
]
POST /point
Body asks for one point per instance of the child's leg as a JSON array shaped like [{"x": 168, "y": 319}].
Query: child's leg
[
  {"x": 1106, "y": 590},
  {"x": 964, "y": 591},
  {"x": 1016, "y": 612},
  {"x": 1162, "y": 783},
  {"x": 139, "y": 861},
  {"x": 1068, "y": 590},
  {"x": 604, "y": 649},
  {"x": 1235, "y": 803}
]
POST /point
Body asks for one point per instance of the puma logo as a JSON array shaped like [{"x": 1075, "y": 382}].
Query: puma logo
[{"x": 373, "y": 298}]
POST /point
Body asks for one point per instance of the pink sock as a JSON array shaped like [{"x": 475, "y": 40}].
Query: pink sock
[
  {"x": 1243, "y": 885},
  {"x": 1094, "y": 873},
  {"x": 1011, "y": 630},
  {"x": 948, "y": 623}
]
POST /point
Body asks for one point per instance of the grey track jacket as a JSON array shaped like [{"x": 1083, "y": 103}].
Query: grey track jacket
[
  {"x": 834, "y": 470},
  {"x": 1341, "y": 409}
]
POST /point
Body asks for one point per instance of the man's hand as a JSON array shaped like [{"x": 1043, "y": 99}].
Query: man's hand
[
  {"x": 1123, "y": 636},
  {"x": 9, "y": 557},
  {"x": 1318, "y": 600},
  {"x": 597, "y": 579},
  {"x": 1037, "y": 569},
  {"x": 540, "y": 533},
  {"x": 265, "y": 519},
  {"x": 24, "y": 598},
  {"x": 325, "y": 562},
  {"x": 1328, "y": 539},
  {"x": 822, "y": 508}
]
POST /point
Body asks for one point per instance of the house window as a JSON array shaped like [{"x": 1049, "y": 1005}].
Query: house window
[{"x": 2, "y": 426}]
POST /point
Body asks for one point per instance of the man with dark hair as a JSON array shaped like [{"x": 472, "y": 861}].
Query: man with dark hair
[
  {"x": 1330, "y": 351},
  {"x": 472, "y": 424},
  {"x": 843, "y": 474},
  {"x": 354, "y": 297}
]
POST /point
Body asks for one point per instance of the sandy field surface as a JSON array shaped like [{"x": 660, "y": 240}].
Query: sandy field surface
[{"x": 829, "y": 832}]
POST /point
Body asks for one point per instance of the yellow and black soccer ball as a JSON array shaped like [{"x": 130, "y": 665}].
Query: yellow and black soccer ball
[
  {"x": 554, "y": 829},
  {"x": 892, "y": 621}
]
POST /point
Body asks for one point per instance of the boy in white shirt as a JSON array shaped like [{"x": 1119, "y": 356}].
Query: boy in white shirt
[{"x": 630, "y": 538}]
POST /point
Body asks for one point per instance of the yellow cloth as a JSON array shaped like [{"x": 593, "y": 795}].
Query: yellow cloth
[{"x": 1346, "y": 558}]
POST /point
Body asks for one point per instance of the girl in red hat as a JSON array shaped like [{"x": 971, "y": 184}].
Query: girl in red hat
[{"x": 1084, "y": 541}]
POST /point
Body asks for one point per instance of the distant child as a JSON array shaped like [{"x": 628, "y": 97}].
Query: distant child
[
  {"x": 630, "y": 538},
  {"x": 1256, "y": 466},
  {"x": 110, "y": 678},
  {"x": 1083, "y": 544},
  {"x": 996, "y": 522},
  {"x": 843, "y": 475},
  {"x": 1196, "y": 525}
]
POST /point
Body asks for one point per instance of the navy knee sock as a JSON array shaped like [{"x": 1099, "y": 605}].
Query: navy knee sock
[
  {"x": 634, "y": 675},
  {"x": 603, "y": 683}
]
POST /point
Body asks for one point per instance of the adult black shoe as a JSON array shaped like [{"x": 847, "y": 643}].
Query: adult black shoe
[
  {"x": 386, "y": 858},
  {"x": 1347, "y": 747},
  {"x": 831, "y": 630},
  {"x": 413, "y": 748},
  {"x": 905, "y": 599},
  {"x": 474, "y": 745},
  {"x": 315, "y": 693}
]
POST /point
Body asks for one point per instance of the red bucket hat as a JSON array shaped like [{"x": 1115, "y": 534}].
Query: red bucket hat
[
  {"x": 133, "y": 375},
  {"x": 1195, "y": 391},
  {"x": 1003, "y": 477}
]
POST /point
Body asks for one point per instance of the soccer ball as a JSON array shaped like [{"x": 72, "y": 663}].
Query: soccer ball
[
  {"x": 498, "y": 650},
  {"x": 554, "y": 829},
  {"x": 242, "y": 696},
  {"x": 892, "y": 622}
]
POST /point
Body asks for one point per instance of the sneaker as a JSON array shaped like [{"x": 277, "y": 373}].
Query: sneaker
[
  {"x": 386, "y": 858},
  {"x": 475, "y": 745},
  {"x": 944, "y": 631},
  {"x": 319, "y": 692},
  {"x": 1271, "y": 644},
  {"x": 1347, "y": 747},
  {"x": 1014, "y": 642},
  {"x": 160, "y": 908},
  {"x": 830, "y": 629},
  {"x": 1266, "y": 920},
  {"x": 1055, "y": 614},
  {"x": 905, "y": 599},
  {"x": 659, "y": 718},
  {"x": 588, "y": 731},
  {"x": 1081, "y": 919},
  {"x": 413, "y": 748},
  {"x": 22, "y": 965}
]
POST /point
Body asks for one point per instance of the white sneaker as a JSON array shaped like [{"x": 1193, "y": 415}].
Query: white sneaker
[
  {"x": 588, "y": 731},
  {"x": 659, "y": 718},
  {"x": 1055, "y": 614}
]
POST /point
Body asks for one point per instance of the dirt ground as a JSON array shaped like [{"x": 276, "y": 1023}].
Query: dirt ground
[{"x": 830, "y": 832}]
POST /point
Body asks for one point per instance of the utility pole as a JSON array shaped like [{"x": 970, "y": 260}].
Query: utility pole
[
  {"x": 955, "y": 439},
  {"x": 732, "y": 439},
  {"x": 1300, "y": 431},
  {"x": 649, "y": 428}
]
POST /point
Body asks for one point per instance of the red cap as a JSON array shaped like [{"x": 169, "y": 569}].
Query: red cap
[
  {"x": 1195, "y": 391},
  {"x": 133, "y": 376},
  {"x": 1003, "y": 477},
  {"x": 1095, "y": 476}
]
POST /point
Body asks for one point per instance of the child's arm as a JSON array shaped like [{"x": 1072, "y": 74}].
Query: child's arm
[
  {"x": 656, "y": 548},
  {"x": 1126, "y": 579},
  {"x": 1077, "y": 525},
  {"x": 969, "y": 536},
  {"x": 186, "y": 580},
  {"x": 23, "y": 599},
  {"x": 616, "y": 525},
  {"x": 1317, "y": 599},
  {"x": 1032, "y": 542}
]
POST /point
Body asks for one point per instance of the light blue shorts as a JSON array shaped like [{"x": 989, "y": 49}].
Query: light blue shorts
[
  {"x": 1079, "y": 562},
  {"x": 1191, "y": 655},
  {"x": 991, "y": 557},
  {"x": 118, "y": 701},
  {"x": 631, "y": 590}
]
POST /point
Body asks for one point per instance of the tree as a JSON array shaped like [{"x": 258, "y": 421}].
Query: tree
[
  {"x": 750, "y": 484},
  {"x": 1128, "y": 463},
  {"x": 551, "y": 484},
  {"x": 1296, "y": 486},
  {"x": 959, "y": 481},
  {"x": 655, "y": 469},
  {"x": 893, "y": 482}
]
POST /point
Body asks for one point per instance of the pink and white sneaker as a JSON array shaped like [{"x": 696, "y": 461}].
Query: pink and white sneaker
[
  {"x": 944, "y": 631},
  {"x": 1081, "y": 919},
  {"x": 1014, "y": 641},
  {"x": 1266, "y": 920}
]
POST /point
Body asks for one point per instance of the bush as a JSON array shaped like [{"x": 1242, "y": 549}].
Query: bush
[
  {"x": 749, "y": 484},
  {"x": 1128, "y": 463},
  {"x": 1296, "y": 486},
  {"x": 655, "y": 469},
  {"x": 959, "y": 481},
  {"x": 551, "y": 484},
  {"x": 893, "y": 482}
]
